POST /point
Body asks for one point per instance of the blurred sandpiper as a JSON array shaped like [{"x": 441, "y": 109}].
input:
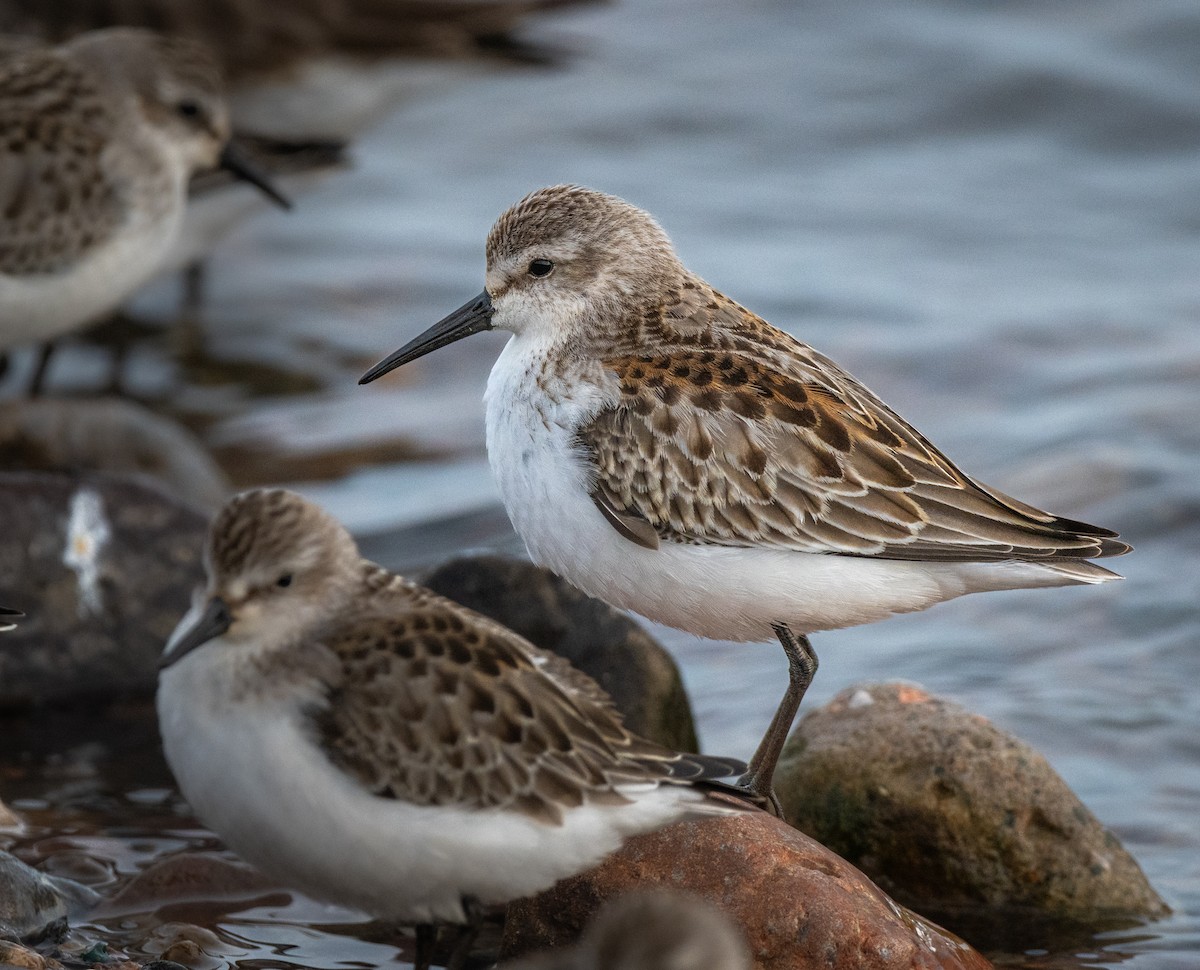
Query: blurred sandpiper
[{"x": 101, "y": 137}]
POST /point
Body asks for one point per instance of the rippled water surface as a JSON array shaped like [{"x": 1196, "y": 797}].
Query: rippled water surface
[{"x": 988, "y": 211}]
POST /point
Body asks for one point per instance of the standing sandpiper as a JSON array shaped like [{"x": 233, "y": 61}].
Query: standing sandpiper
[
  {"x": 668, "y": 451},
  {"x": 370, "y": 743},
  {"x": 101, "y": 136}
]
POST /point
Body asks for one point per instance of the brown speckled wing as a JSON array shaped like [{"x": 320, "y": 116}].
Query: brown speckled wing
[
  {"x": 440, "y": 706},
  {"x": 55, "y": 201},
  {"x": 731, "y": 432}
]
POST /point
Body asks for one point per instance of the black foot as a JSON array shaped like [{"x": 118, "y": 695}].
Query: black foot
[{"x": 426, "y": 939}]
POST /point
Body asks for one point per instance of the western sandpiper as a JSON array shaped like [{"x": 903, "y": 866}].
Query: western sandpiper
[
  {"x": 668, "y": 451},
  {"x": 651, "y": 930},
  {"x": 363, "y": 739},
  {"x": 101, "y": 136}
]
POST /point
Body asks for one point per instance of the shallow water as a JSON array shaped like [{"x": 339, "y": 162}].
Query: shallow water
[{"x": 988, "y": 211}]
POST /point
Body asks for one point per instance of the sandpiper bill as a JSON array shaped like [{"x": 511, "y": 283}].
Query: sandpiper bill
[
  {"x": 102, "y": 135},
  {"x": 668, "y": 451},
  {"x": 371, "y": 743}
]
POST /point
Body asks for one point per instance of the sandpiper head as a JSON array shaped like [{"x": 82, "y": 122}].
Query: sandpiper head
[
  {"x": 566, "y": 264},
  {"x": 174, "y": 86},
  {"x": 277, "y": 567}
]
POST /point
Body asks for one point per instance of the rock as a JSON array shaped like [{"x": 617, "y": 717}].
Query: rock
[
  {"x": 34, "y": 906},
  {"x": 103, "y": 567},
  {"x": 601, "y": 641},
  {"x": 187, "y": 877},
  {"x": 651, "y": 930},
  {"x": 189, "y": 946},
  {"x": 15, "y": 955},
  {"x": 800, "y": 906},
  {"x": 111, "y": 435},
  {"x": 10, "y": 819},
  {"x": 955, "y": 817}
]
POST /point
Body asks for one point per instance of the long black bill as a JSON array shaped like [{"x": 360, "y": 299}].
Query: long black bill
[
  {"x": 8, "y": 616},
  {"x": 235, "y": 160},
  {"x": 214, "y": 621},
  {"x": 473, "y": 317}
]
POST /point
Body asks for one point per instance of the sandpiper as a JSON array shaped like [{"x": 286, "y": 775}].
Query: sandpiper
[
  {"x": 371, "y": 743},
  {"x": 101, "y": 136},
  {"x": 668, "y": 451}
]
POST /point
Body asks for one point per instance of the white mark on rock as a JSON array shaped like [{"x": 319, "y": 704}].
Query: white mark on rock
[
  {"x": 87, "y": 534},
  {"x": 860, "y": 698}
]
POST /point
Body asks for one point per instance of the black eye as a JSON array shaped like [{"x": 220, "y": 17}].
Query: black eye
[
  {"x": 541, "y": 267},
  {"x": 188, "y": 109},
  {"x": 284, "y": 581}
]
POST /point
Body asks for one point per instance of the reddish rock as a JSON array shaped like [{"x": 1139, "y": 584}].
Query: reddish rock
[
  {"x": 800, "y": 906},
  {"x": 956, "y": 818}
]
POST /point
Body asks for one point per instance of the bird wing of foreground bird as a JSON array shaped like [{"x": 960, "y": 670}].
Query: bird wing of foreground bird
[
  {"x": 765, "y": 442},
  {"x": 55, "y": 196},
  {"x": 436, "y": 706}
]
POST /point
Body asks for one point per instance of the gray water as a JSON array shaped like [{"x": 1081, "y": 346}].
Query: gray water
[{"x": 988, "y": 211}]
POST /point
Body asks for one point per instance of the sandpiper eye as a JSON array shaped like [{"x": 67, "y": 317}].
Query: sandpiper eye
[
  {"x": 284, "y": 581},
  {"x": 541, "y": 267},
  {"x": 188, "y": 109}
]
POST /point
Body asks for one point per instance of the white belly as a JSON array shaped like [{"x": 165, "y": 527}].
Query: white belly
[
  {"x": 726, "y": 593},
  {"x": 43, "y": 306},
  {"x": 253, "y": 776}
]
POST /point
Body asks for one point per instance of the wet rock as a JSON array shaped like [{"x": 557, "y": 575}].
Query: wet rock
[
  {"x": 651, "y": 930},
  {"x": 955, "y": 817},
  {"x": 109, "y": 435},
  {"x": 103, "y": 567},
  {"x": 9, "y": 819},
  {"x": 603, "y": 642},
  {"x": 15, "y": 955},
  {"x": 799, "y": 905},
  {"x": 188, "y": 877},
  {"x": 34, "y": 906},
  {"x": 189, "y": 946}
]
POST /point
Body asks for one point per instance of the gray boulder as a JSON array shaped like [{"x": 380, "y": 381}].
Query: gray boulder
[
  {"x": 103, "y": 567},
  {"x": 955, "y": 818}
]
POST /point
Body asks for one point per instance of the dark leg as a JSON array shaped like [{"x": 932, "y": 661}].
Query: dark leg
[
  {"x": 190, "y": 330},
  {"x": 426, "y": 938},
  {"x": 465, "y": 937},
  {"x": 39, "y": 371},
  {"x": 802, "y": 666}
]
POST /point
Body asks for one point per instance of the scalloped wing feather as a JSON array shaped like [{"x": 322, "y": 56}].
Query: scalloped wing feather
[{"x": 731, "y": 432}]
